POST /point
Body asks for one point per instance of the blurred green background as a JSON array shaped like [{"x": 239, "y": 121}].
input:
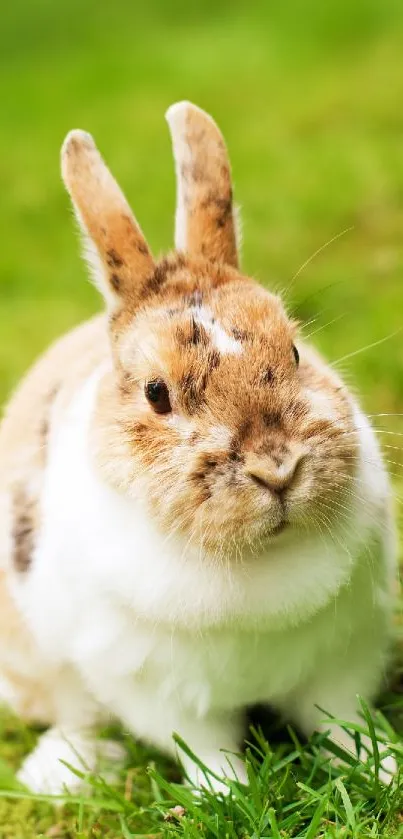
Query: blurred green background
[{"x": 309, "y": 95}]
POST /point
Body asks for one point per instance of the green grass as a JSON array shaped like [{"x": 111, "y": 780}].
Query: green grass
[
  {"x": 294, "y": 791},
  {"x": 309, "y": 95}
]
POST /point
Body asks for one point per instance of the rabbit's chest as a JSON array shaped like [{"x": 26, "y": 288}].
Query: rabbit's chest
[
  {"x": 212, "y": 670},
  {"x": 223, "y": 671}
]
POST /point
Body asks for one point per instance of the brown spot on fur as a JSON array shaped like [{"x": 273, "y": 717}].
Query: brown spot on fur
[
  {"x": 225, "y": 210},
  {"x": 23, "y": 530},
  {"x": 205, "y": 466},
  {"x": 115, "y": 281},
  {"x": 223, "y": 206},
  {"x": 272, "y": 419},
  {"x": 268, "y": 376},
  {"x": 241, "y": 334},
  {"x": 192, "y": 334},
  {"x": 44, "y": 430},
  {"x": 128, "y": 222},
  {"x": 142, "y": 248},
  {"x": 192, "y": 171},
  {"x": 113, "y": 259},
  {"x": 158, "y": 278},
  {"x": 199, "y": 335},
  {"x": 44, "y": 423},
  {"x": 213, "y": 360},
  {"x": 139, "y": 428},
  {"x": 179, "y": 261}
]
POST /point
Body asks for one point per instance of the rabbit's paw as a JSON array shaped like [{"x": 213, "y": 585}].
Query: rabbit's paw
[{"x": 47, "y": 769}]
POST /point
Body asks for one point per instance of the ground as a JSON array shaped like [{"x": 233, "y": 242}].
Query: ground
[{"x": 309, "y": 96}]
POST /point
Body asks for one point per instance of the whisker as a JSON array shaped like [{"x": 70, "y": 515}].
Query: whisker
[
  {"x": 368, "y": 347},
  {"x": 304, "y": 325},
  {"x": 375, "y": 430},
  {"x": 377, "y": 463},
  {"x": 345, "y": 529},
  {"x": 319, "y": 250},
  {"x": 316, "y": 293},
  {"x": 324, "y": 326},
  {"x": 326, "y": 521},
  {"x": 361, "y": 498},
  {"x": 308, "y": 323},
  {"x": 385, "y": 415}
]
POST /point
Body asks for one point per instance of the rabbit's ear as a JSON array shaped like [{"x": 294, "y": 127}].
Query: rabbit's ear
[
  {"x": 116, "y": 251},
  {"x": 205, "y": 222}
]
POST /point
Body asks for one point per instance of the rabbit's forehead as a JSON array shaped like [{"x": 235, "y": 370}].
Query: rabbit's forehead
[{"x": 232, "y": 322}]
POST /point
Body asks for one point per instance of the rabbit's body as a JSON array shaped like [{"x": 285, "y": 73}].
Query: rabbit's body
[
  {"x": 27, "y": 675},
  {"x": 117, "y": 600}
]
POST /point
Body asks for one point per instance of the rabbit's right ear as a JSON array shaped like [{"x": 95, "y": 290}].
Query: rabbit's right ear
[
  {"x": 206, "y": 223},
  {"x": 115, "y": 248}
]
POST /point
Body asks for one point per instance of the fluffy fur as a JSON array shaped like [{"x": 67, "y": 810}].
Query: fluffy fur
[{"x": 168, "y": 564}]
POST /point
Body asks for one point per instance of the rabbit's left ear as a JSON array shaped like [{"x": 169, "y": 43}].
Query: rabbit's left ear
[
  {"x": 205, "y": 222},
  {"x": 115, "y": 248}
]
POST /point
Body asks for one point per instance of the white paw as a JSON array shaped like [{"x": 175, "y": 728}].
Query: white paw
[{"x": 45, "y": 771}]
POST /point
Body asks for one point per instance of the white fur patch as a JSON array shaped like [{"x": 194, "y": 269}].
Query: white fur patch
[
  {"x": 220, "y": 436},
  {"x": 96, "y": 267},
  {"x": 180, "y": 423},
  {"x": 322, "y": 404},
  {"x": 222, "y": 342},
  {"x": 176, "y": 118}
]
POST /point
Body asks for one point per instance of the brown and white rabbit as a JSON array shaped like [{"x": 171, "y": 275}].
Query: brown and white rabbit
[{"x": 195, "y": 515}]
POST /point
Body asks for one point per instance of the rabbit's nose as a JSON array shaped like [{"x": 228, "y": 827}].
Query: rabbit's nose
[{"x": 271, "y": 472}]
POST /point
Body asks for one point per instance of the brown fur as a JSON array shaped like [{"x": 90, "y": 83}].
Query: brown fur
[
  {"x": 107, "y": 218},
  {"x": 204, "y": 179},
  {"x": 24, "y": 527}
]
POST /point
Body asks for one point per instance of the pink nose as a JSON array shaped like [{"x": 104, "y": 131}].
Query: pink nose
[{"x": 276, "y": 475}]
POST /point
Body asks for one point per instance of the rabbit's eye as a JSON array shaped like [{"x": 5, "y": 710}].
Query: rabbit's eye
[
  {"x": 296, "y": 354},
  {"x": 158, "y": 395}
]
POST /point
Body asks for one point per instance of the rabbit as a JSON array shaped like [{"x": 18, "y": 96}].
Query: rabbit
[{"x": 195, "y": 512}]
